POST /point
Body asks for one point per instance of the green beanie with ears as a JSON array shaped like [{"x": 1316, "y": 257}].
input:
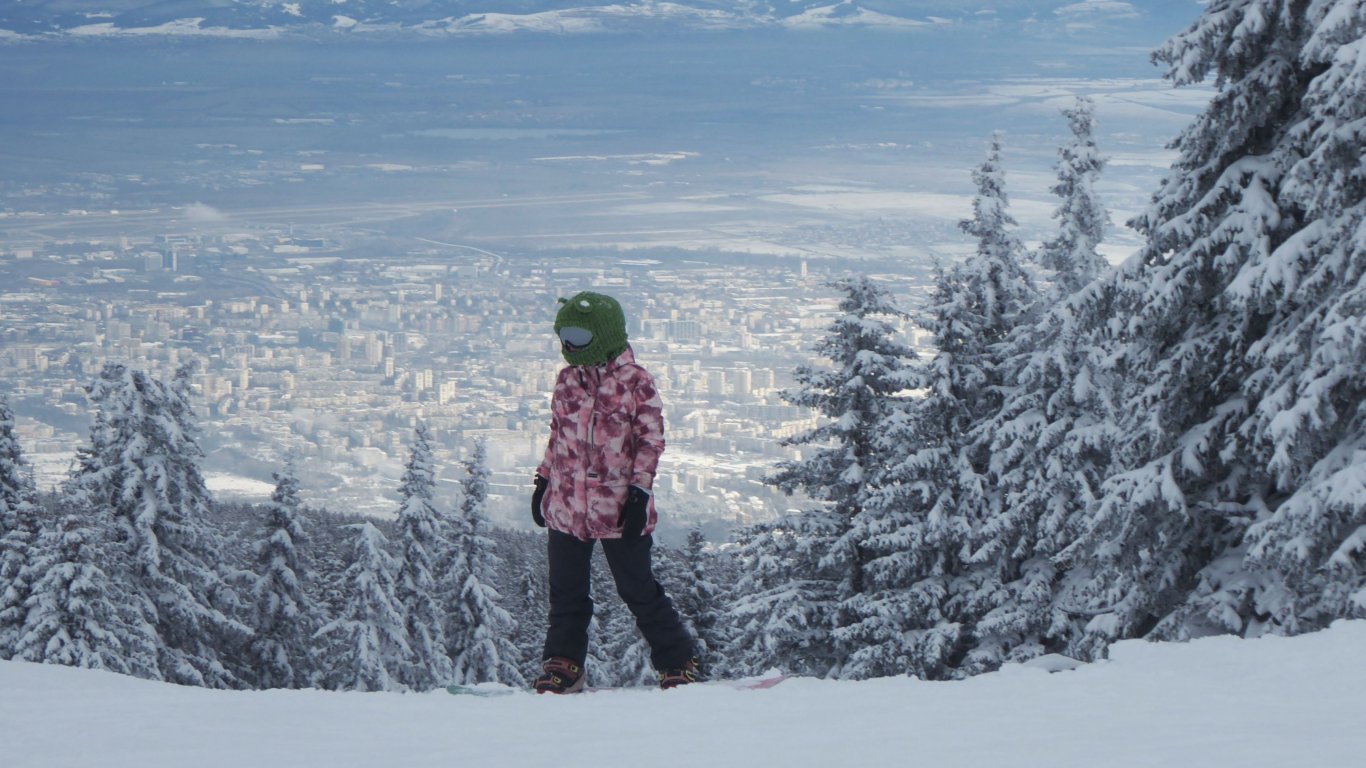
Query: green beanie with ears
[{"x": 600, "y": 316}]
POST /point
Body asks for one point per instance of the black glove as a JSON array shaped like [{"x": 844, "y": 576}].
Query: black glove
[
  {"x": 536, "y": 497},
  {"x": 634, "y": 513}
]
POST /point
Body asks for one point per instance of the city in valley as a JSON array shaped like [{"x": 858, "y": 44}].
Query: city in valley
[
  {"x": 307, "y": 346},
  {"x": 349, "y": 240}
]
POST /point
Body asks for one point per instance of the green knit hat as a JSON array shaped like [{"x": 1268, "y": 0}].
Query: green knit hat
[{"x": 599, "y": 315}]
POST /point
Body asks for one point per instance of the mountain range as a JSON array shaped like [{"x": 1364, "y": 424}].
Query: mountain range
[{"x": 60, "y": 19}]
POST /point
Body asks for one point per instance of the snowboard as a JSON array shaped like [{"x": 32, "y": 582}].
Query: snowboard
[{"x": 490, "y": 690}]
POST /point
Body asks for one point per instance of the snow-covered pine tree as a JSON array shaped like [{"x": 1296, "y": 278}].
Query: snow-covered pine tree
[
  {"x": 142, "y": 466},
  {"x": 1050, "y": 448},
  {"x": 698, "y": 599},
  {"x": 525, "y": 562},
  {"x": 779, "y": 608},
  {"x": 480, "y": 633},
  {"x": 421, "y": 545},
  {"x": 1071, "y": 254},
  {"x": 1310, "y": 383},
  {"x": 622, "y": 656},
  {"x": 285, "y": 617},
  {"x": 1236, "y": 503},
  {"x": 863, "y": 385},
  {"x": 1038, "y": 437},
  {"x": 76, "y": 614},
  {"x": 367, "y": 646},
  {"x": 19, "y": 529},
  {"x": 916, "y": 615}
]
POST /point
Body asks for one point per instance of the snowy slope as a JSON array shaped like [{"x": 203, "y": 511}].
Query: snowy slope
[{"x": 1213, "y": 702}]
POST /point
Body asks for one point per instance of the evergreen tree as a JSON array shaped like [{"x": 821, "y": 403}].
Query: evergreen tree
[
  {"x": 1051, "y": 446},
  {"x": 1310, "y": 383},
  {"x": 917, "y": 613},
  {"x": 1071, "y": 253},
  {"x": 19, "y": 529},
  {"x": 481, "y": 630},
  {"x": 869, "y": 370},
  {"x": 529, "y": 617},
  {"x": 623, "y": 656},
  {"x": 416, "y": 585},
  {"x": 285, "y": 617},
  {"x": 1234, "y": 346},
  {"x": 75, "y": 613},
  {"x": 367, "y": 646},
  {"x": 781, "y": 604},
  {"x": 698, "y": 599},
  {"x": 142, "y": 466}
]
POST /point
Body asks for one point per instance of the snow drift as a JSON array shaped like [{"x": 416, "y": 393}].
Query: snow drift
[{"x": 1217, "y": 701}]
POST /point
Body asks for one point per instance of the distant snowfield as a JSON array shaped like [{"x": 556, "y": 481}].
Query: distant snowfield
[
  {"x": 1209, "y": 703},
  {"x": 238, "y": 487},
  {"x": 177, "y": 28}
]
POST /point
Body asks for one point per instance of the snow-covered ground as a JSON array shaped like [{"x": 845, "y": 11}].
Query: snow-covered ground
[{"x": 1212, "y": 702}]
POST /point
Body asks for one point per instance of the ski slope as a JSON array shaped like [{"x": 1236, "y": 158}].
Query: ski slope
[{"x": 1212, "y": 702}]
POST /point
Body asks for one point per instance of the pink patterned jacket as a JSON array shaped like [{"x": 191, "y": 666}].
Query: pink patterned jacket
[{"x": 606, "y": 434}]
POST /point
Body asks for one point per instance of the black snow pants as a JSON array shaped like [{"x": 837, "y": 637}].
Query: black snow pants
[{"x": 571, "y": 605}]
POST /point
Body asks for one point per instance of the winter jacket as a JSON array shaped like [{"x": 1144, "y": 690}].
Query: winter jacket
[{"x": 606, "y": 434}]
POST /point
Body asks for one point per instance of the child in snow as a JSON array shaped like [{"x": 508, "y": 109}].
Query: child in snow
[{"x": 606, "y": 436}]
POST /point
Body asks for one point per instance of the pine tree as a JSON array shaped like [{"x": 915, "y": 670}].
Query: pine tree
[
  {"x": 285, "y": 617},
  {"x": 528, "y": 616},
  {"x": 19, "y": 529},
  {"x": 1238, "y": 337},
  {"x": 1071, "y": 253},
  {"x": 622, "y": 656},
  {"x": 142, "y": 466},
  {"x": 1051, "y": 445},
  {"x": 481, "y": 631},
  {"x": 1311, "y": 382},
  {"x": 75, "y": 613},
  {"x": 698, "y": 600},
  {"x": 780, "y": 606},
  {"x": 870, "y": 369},
  {"x": 367, "y": 646},
  {"x": 917, "y": 614},
  {"x": 416, "y": 585}
]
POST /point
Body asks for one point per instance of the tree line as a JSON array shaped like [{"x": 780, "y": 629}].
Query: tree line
[{"x": 132, "y": 567}]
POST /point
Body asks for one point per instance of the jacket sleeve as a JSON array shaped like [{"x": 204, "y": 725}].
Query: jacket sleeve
[{"x": 648, "y": 428}]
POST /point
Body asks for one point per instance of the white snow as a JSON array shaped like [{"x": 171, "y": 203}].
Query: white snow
[
  {"x": 236, "y": 486},
  {"x": 1212, "y": 702},
  {"x": 180, "y": 27},
  {"x": 846, "y": 14}
]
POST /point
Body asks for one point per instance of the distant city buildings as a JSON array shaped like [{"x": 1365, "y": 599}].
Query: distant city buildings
[{"x": 334, "y": 358}]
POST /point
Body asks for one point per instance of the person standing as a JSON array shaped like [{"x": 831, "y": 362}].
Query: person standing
[{"x": 595, "y": 484}]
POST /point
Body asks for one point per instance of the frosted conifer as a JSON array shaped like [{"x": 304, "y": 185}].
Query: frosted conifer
[
  {"x": 698, "y": 600},
  {"x": 1071, "y": 253},
  {"x": 481, "y": 631},
  {"x": 780, "y": 607},
  {"x": 863, "y": 385},
  {"x": 367, "y": 646},
  {"x": 916, "y": 613},
  {"x": 1051, "y": 445},
  {"x": 415, "y": 587},
  {"x": 142, "y": 467},
  {"x": 1235, "y": 502},
  {"x": 285, "y": 618},
  {"x": 19, "y": 529},
  {"x": 76, "y": 614}
]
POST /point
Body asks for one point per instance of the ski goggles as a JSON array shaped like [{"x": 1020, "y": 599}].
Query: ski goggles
[{"x": 575, "y": 338}]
